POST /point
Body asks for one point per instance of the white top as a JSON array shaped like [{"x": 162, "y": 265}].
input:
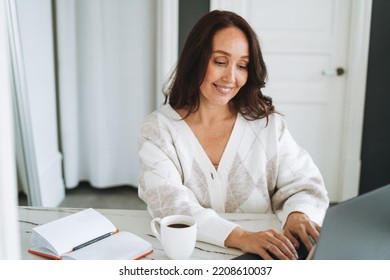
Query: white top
[{"x": 262, "y": 170}]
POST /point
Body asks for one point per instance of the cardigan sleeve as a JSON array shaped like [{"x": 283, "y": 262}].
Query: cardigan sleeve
[
  {"x": 299, "y": 185},
  {"x": 161, "y": 184}
]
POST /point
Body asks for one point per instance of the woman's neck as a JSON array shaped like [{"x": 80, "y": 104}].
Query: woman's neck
[{"x": 210, "y": 115}]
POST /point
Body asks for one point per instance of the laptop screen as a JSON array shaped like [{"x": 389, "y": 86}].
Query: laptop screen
[{"x": 357, "y": 229}]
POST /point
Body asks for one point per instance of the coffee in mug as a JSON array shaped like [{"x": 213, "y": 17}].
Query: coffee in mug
[
  {"x": 178, "y": 225},
  {"x": 177, "y": 235}
]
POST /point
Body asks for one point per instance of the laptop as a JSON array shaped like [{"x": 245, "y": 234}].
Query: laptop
[{"x": 357, "y": 229}]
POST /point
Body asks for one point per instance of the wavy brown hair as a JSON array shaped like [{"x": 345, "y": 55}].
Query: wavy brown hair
[{"x": 184, "y": 84}]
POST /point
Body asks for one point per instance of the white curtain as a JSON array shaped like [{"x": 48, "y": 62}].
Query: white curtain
[{"x": 106, "y": 74}]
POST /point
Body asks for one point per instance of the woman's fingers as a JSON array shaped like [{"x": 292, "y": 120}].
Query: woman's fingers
[
  {"x": 279, "y": 246},
  {"x": 283, "y": 247},
  {"x": 298, "y": 225},
  {"x": 269, "y": 244},
  {"x": 308, "y": 236},
  {"x": 292, "y": 239}
]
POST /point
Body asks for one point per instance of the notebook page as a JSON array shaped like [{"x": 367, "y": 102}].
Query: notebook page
[
  {"x": 120, "y": 246},
  {"x": 66, "y": 233}
]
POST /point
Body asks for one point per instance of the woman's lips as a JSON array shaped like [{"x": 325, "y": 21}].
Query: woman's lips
[{"x": 223, "y": 89}]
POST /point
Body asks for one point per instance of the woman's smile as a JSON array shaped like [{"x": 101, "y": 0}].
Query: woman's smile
[{"x": 223, "y": 89}]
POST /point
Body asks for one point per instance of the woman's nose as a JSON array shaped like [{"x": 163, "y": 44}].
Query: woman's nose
[{"x": 229, "y": 74}]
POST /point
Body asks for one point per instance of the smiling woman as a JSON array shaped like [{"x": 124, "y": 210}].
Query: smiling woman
[{"x": 218, "y": 146}]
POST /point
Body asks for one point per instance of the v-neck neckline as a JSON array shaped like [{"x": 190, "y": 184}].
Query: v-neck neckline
[{"x": 230, "y": 148}]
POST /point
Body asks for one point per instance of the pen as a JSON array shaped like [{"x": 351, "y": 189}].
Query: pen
[{"x": 92, "y": 241}]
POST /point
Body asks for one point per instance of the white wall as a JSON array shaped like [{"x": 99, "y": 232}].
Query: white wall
[{"x": 35, "y": 24}]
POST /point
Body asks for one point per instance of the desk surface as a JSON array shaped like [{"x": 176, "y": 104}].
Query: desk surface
[{"x": 138, "y": 222}]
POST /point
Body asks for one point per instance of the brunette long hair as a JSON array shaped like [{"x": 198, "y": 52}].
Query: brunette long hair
[{"x": 183, "y": 88}]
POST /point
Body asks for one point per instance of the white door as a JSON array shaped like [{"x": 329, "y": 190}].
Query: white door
[{"x": 303, "y": 43}]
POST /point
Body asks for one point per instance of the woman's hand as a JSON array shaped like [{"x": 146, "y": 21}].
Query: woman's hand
[
  {"x": 298, "y": 225},
  {"x": 264, "y": 243}
]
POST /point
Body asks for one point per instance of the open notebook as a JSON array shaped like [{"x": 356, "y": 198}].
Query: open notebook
[{"x": 86, "y": 235}]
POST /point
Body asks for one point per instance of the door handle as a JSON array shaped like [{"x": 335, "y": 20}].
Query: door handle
[{"x": 333, "y": 72}]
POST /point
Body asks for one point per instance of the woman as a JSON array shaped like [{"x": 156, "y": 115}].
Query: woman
[{"x": 218, "y": 145}]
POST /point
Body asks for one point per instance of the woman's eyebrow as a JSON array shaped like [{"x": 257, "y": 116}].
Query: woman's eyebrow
[{"x": 228, "y": 54}]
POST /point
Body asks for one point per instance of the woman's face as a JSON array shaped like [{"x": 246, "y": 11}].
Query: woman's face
[{"x": 227, "y": 70}]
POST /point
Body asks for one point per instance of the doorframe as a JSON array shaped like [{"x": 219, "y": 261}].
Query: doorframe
[
  {"x": 358, "y": 42},
  {"x": 167, "y": 46},
  {"x": 357, "y": 66}
]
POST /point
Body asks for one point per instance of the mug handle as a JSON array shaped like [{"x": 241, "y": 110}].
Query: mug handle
[{"x": 154, "y": 229}]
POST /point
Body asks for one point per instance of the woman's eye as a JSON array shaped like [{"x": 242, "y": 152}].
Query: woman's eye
[
  {"x": 243, "y": 67},
  {"x": 220, "y": 62}
]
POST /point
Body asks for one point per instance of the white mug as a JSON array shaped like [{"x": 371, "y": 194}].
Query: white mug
[{"x": 177, "y": 235}]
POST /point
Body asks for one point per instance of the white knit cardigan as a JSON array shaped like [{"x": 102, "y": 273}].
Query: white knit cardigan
[{"x": 262, "y": 170}]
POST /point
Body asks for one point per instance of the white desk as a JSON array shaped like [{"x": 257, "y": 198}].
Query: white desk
[{"x": 138, "y": 222}]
